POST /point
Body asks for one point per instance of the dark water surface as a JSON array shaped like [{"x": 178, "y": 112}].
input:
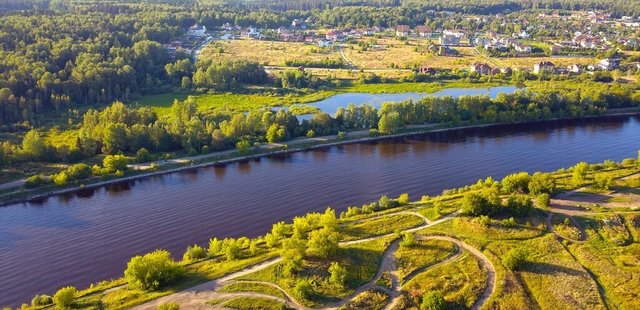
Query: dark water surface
[{"x": 81, "y": 238}]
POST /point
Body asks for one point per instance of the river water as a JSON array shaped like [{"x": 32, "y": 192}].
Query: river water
[{"x": 85, "y": 237}]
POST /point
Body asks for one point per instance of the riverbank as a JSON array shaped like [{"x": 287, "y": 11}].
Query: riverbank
[{"x": 232, "y": 156}]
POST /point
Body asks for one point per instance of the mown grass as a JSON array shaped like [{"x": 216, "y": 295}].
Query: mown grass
[
  {"x": 379, "y": 226},
  {"x": 422, "y": 254},
  {"x": 252, "y": 287},
  {"x": 360, "y": 260},
  {"x": 461, "y": 282},
  {"x": 249, "y": 303}
]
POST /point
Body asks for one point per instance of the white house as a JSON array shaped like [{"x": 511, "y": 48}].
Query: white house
[{"x": 197, "y": 31}]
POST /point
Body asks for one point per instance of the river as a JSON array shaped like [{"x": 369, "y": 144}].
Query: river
[{"x": 80, "y": 238}]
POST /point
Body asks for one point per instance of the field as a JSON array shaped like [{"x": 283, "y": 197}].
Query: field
[{"x": 268, "y": 53}]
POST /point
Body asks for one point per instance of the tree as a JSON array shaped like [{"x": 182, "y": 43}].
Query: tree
[
  {"x": 389, "y": 123},
  {"x": 79, "y": 171},
  {"x": 293, "y": 250},
  {"x": 485, "y": 202},
  {"x": 113, "y": 163},
  {"x": 41, "y": 300},
  {"x": 194, "y": 252},
  {"x": 33, "y": 145},
  {"x": 115, "y": 138},
  {"x": 329, "y": 220},
  {"x": 63, "y": 298},
  {"x": 542, "y": 183},
  {"x": 433, "y": 300},
  {"x": 519, "y": 205},
  {"x": 303, "y": 289},
  {"x": 544, "y": 200},
  {"x": 338, "y": 274},
  {"x": 243, "y": 147},
  {"x": 408, "y": 240},
  {"x": 515, "y": 259},
  {"x": 403, "y": 199},
  {"x": 603, "y": 181},
  {"x": 276, "y": 133},
  {"x": 215, "y": 246},
  {"x": 323, "y": 243},
  {"x": 516, "y": 183},
  {"x": 60, "y": 179},
  {"x": 152, "y": 271},
  {"x": 232, "y": 251},
  {"x": 580, "y": 171}
]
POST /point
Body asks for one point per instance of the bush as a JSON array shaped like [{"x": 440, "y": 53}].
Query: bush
[
  {"x": 303, "y": 289},
  {"x": 519, "y": 205},
  {"x": 516, "y": 183},
  {"x": 311, "y": 133},
  {"x": 169, "y": 306},
  {"x": 142, "y": 155},
  {"x": 484, "y": 220},
  {"x": 338, "y": 274},
  {"x": 79, "y": 171},
  {"x": 243, "y": 147},
  {"x": 194, "y": 252},
  {"x": 544, "y": 200},
  {"x": 515, "y": 259},
  {"x": 63, "y": 298},
  {"x": 113, "y": 163},
  {"x": 34, "y": 181},
  {"x": 152, "y": 271},
  {"x": 61, "y": 178},
  {"x": 41, "y": 300},
  {"x": 542, "y": 183},
  {"x": 603, "y": 181},
  {"x": 485, "y": 202},
  {"x": 433, "y": 300},
  {"x": 408, "y": 240},
  {"x": 403, "y": 199}
]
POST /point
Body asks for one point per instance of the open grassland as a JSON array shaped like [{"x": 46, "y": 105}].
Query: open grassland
[
  {"x": 268, "y": 53},
  {"x": 460, "y": 282},
  {"x": 252, "y": 287},
  {"x": 422, "y": 254},
  {"x": 249, "y": 303},
  {"x": 380, "y": 226}
]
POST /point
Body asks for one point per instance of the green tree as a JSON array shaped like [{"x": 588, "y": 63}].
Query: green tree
[
  {"x": 113, "y": 163},
  {"x": 542, "y": 183},
  {"x": 34, "y": 146},
  {"x": 303, "y": 289},
  {"x": 580, "y": 171},
  {"x": 329, "y": 220},
  {"x": 433, "y": 300},
  {"x": 243, "y": 147},
  {"x": 215, "y": 246},
  {"x": 515, "y": 259},
  {"x": 115, "y": 138},
  {"x": 293, "y": 251},
  {"x": 79, "y": 171},
  {"x": 152, "y": 271},
  {"x": 323, "y": 243},
  {"x": 194, "y": 252},
  {"x": 338, "y": 274},
  {"x": 485, "y": 202},
  {"x": 544, "y": 200},
  {"x": 60, "y": 179},
  {"x": 408, "y": 240},
  {"x": 516, "y": 183},
  {"x": 232, "y": 251},
  {"x": 603, "y": 181},
  {"x": 276, "y": 133},
  {"x": 403, "y": 199},
  {"x": 519, "y": 205},
  {"x": 41, "y": 300},
  {"x": 63, "y": 298},
  {"x": 389, "y": 123}
]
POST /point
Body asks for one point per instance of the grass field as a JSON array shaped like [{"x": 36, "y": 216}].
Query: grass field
[
  {"x": 423, "y": 254},
  {"x": 268, "y": 53},
  {"x": 380, "y": 226}
]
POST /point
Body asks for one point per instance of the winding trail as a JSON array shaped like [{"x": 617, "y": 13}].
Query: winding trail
[{"x": 195, "y": 297}]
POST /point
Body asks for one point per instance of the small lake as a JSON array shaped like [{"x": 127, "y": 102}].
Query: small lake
[
  {"x": 331, "y": 104},
  {"x": 88, "y": 236}
]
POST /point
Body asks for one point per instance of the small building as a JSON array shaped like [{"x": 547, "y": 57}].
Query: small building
[
  {"x": 324, "y": 43},
  {"x": 609, "y": 64},
  {"x": 333, "y": 35},
  {"x": 520, "y": 48},
  {"x": 403, "y": 30},
  {"x": 450, "y": 37},
  {"x": 424, "y": 69},
  {"x": 555, "y": 49},
  {"x": 424, "y": 31},
  {"x": 576, "y": 68},
  {"x": 544, "y": 66},
  {"x": 481, "y": 68},
  {"x": 197, "y": 31}
]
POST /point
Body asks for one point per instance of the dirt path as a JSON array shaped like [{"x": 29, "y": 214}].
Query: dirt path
[
  {"x": 583, "y": 234},
  {"x": 207, "y": 291}
]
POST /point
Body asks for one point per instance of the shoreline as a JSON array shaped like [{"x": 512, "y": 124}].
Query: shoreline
[{"x": 206, "y": 162}]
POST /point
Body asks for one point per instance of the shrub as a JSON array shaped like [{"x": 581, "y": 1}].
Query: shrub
[
  {"x": 142, "y": 155},
  {"x": 516, "y": 183},
  {"x": 79, "y": 171},
  {"x": 515, "y": 259},
  {"x": 215, "y": 246},
  {"x": 580, "y": 171},
  {"x": 544, "y": 200},
  {"x": 169, "y": 306},
  {"x": 485, "y": 202},
  {"x": 152, "y": 271},
  {"x": 303, "y": 289},
  {"x": 194, "y": 252},
  {"x": 408, "y": 240},
  {"x": 63, "y": 298},
  {"x": 232, "y": 251},
  {"x": 243, "y": 147},
  {"x": 510, "y": 222},
  {"x": 519, "y": 205},
  {"x": 41, "y": 300},
  {"x": 603, "y": 181},
  {"x": 338, "y": 274},
  {"x": 113, "y": 163},
  {"x": 542, "y": 183},
  {"x": 311, "y": 133},
  {"x": 34, "y": 181},
  {"x": 433, "y": 300},
  {"x": 61, "y": 178},
  {"x": 484, "y": 220},
  {"x": 403, "y": 199}
]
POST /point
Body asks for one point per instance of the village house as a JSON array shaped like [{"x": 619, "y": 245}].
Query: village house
[
  {"x": 520, "y": 48},
  {"x": 555, "y": 49},
  {"x": 324, "y": 43},
  {"x": 544, "y": 66},
  {"x": 333, "y": 35},
  {"x": 451, "y": 37},
  {"x": 424, "y": 31},
  {"x": 197, "y": 31},
  {"x": 403, "y": 30},
  {"x": 576, "y": 68},
  {"x": 424, "y": 69},
  {"x": 609, "y": 64},
  {"x": 252, "y": 33},
  {"x": 481, "y": 68}
]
